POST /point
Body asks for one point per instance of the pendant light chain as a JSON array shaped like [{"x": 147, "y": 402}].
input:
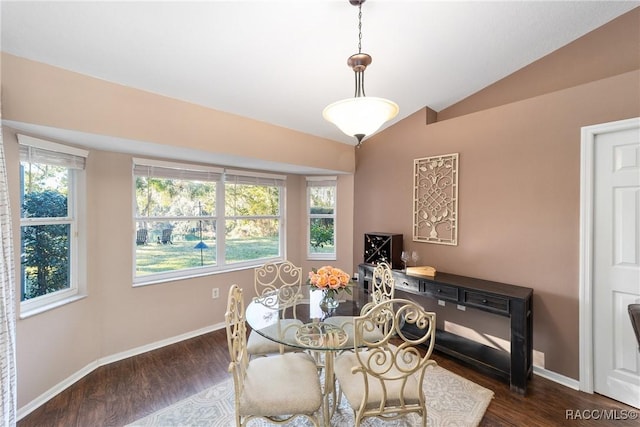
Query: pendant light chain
[
  {"x": 359, "y": 74},
  {"x": 360, "y": 27}
]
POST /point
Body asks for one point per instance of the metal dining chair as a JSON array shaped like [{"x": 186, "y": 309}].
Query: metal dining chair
[
  {"x": 277, "y": 285},
  {"x": 385, "y": 380},
  {"x": 382, "y": 288},
  {"x": 276, "y": 388}
]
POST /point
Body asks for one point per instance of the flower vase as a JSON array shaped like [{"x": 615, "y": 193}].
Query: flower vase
[{"x": 329, "y": 300}]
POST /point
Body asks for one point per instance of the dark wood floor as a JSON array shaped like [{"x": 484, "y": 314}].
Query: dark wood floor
[{"x": 124, "y": 391}]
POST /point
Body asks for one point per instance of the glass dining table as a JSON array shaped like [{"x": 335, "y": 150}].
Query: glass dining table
[{"x": 321, "y": 332}]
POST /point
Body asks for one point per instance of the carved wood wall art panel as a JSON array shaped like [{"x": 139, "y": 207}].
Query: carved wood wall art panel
[{"x": 435, "y": 199}]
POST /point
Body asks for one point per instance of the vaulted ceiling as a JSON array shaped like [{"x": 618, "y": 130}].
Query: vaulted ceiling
[{"x": 282, "y": 62}]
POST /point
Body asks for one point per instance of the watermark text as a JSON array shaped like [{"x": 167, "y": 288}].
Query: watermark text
[{"x": 601, "y": 414}]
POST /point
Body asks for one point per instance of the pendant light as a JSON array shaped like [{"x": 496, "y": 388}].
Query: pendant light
[{"x": 361, "y": 115}]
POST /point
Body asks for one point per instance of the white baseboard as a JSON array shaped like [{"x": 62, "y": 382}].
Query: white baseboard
[
  {"x": 53, "y": 391},
  {"x": 158, "y": 344},
  {"x": 61, "y": 386},
  {"x": 557, "y": 378}
]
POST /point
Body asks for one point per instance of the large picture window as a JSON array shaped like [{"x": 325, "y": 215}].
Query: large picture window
[
  {"x": 321, "y": 225},
  {"x": 191, "y": 220},
  {"x": 51, "y": 176}
]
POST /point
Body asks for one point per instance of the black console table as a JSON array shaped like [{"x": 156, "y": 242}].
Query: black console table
[{"x": 493, "y": 297}]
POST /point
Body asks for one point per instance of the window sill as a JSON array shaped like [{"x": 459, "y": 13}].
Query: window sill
[
  {"x": 24, "y": 314},
  {"x": 331, "y": 257},
  {"x": 139, "y": 282}
]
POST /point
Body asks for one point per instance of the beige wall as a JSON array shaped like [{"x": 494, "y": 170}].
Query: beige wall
[
  {"x": 519, "y": 186},
  {"x": 115, "y": 317}
]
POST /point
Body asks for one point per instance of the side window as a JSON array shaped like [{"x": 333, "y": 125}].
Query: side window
[
  {"x": 321, "y": 224},
  {"x": 50, "y": 178}
]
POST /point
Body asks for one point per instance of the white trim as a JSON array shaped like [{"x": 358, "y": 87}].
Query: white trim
[
  {"x": 322, "y": 178},
  {"x": 176, "y": 165},
  {"x": 556, "y": 378},
  {"x": 55, "y": 390},
  {"x": 51, "y": 146},
  {"x": 158, "y": 344},
  {"x": 254, "y": 174},
  {"x": 67, "y": 382},
  {"x": 159, "y": 278},
  {"x": 28, "y": 311},
  {"x": 587, "y": 147}
]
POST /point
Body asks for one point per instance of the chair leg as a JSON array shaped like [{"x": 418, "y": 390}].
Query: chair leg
[{"x": 357, "y": 418}]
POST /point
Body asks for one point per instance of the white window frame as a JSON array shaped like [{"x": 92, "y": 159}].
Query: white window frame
[
  {"x": 249, "y": 177},
  {"x": 220, "y": 176},
  {"x": 47, "y": 152},
  {"x": 322, "y": 181}
]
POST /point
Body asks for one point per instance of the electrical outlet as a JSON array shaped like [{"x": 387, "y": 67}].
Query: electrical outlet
[
  {"x": 462, "y": 307},
  {"x": 441, "y": 302},
  {"x": 215, "y": 293}
]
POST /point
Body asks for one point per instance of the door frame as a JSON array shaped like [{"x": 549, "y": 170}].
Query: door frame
[{"x": 587, "y": 185}]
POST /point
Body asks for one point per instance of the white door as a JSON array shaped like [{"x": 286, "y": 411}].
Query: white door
[{"x": 616, "y": 263}]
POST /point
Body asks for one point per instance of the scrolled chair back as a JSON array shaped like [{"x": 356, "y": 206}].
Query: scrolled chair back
[
  {"x": 383, "y": 287},
  {"x": 382, "y": 283},
  {"x": 383, "y": 378},
  {"x": 278, "y": 284},
  {"x": 237, "y": 336}
]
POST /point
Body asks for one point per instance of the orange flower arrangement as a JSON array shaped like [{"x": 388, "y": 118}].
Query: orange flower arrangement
[{"x": 330, "y": 279}]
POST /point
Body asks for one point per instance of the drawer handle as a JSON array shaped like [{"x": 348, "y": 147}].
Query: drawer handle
[
  {"x": 484, "y": 301},
  {"x": 439, "y": 290}
]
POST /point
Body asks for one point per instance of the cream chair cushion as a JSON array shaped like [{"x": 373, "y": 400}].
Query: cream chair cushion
[
  {"x": 284, "y": 384},
  {"x": 346, "y": 323},
  {"x": 258, "y": 345},
  {"x": 353, "y": 386}
]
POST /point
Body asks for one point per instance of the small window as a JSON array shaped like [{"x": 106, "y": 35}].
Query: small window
[
  {"x": 50, "y": 178},
  {"x": 321, "y": 224}
]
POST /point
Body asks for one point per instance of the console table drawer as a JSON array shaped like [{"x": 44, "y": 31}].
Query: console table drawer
[
  {"x": 406, "y": 283},
  {"x": 439, "y": 291},
  {"x": 485, "y": 301}
]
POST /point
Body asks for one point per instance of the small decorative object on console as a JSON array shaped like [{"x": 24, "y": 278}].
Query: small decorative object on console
[{"x": 422, "y": 271}]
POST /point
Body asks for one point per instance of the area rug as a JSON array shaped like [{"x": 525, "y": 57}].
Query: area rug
[{"x": 452, "y": 401}]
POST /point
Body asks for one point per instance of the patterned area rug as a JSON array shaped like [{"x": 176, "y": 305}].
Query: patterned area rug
[{"x": 451, "y": 401}]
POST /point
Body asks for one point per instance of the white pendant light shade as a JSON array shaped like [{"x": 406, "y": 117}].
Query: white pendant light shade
[{"x": 361, "y": 115}]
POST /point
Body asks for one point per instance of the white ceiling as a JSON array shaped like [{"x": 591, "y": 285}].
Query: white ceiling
[{"x": 283, "y": 61}]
